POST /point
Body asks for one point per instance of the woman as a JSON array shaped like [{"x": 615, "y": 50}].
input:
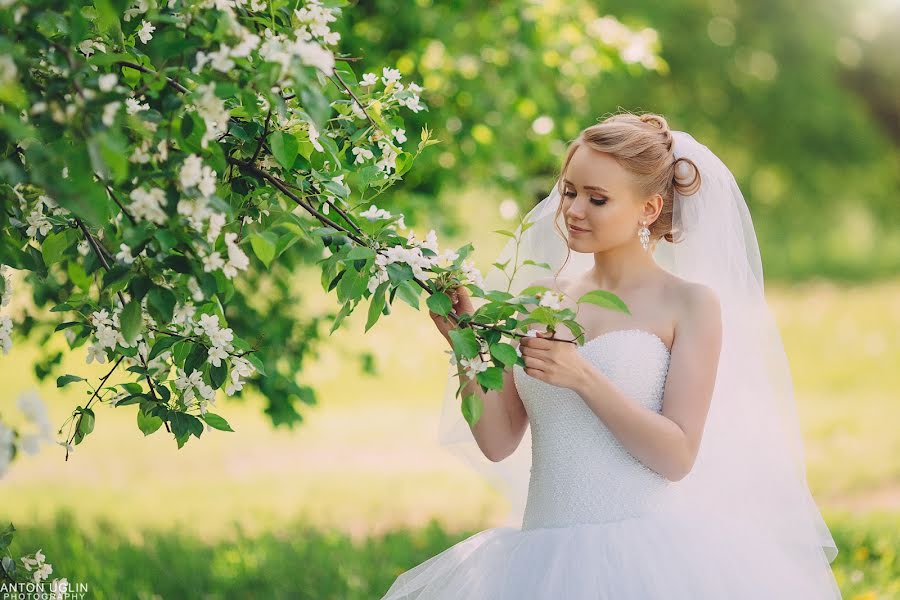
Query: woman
[{"x": 664, "y": 458}]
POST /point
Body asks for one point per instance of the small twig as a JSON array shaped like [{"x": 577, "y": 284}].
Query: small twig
[
  {"x": 361, "y": 107},
  {"x": 116, "y": 200},
  {"x": 88, "y": 405},
  {"x": 171, "y": 82},
  {"x": 263, "y": 137}
]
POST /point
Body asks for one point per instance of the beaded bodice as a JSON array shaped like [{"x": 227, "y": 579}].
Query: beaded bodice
[{"x": 580, "y": 472}]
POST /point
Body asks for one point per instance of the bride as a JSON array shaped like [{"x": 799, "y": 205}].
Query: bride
[{"x": 657, "y": 455}]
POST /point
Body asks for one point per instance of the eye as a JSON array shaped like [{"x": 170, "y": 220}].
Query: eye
[{"x": 596, "y": 201}]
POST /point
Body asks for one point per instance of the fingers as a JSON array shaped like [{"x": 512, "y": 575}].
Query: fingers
[{"x": 535, "y": 364}]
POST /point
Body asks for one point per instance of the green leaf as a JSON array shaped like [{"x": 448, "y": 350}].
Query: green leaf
[
  {"x": 161, "y": 345},
  {"x": 505, "y": 353},
  {"x": 284, "y": 147},
  {"x": 217, "y": 375},
  {"x": 54, "y": 247},
  {"x": 376, "y": 305},
  {"x": 605, "y": 299},
  {"x": 132, "y": 399},
  {"x": 109, "y": 155},
  {"x": 439, "y": 303},
  {"x": 216, "y": 422},
  {"x": 342, "y": 314},
  {"x": 409, "y": 293},
  {"x": 464, "y": 342},
  {"x": 9, "y": 567},
  {"x": 472, "y": 407},
  {"x": 257, "y": 363},
  {"x": 86, "y": 422},
  {"x": 544, "y": 265},
  {"x": 196, "y": 358},
  {"x": 491, "y": 378},
  {"x": 63, "y": 380},
  {"x": 358, "y": 252},
  {"x": 161, "y": 301},
  {"x": 130, "y": 320},
  {"x": 400, "y": 272},
  {"x": 6, "y": 536},
  {"x": 148, "y": 423},
  {"x": 264, "y": 245},
  {"x": 78, "y": 275}
]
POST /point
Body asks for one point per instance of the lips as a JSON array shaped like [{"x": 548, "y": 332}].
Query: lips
[{"x": 576, "y": 229}]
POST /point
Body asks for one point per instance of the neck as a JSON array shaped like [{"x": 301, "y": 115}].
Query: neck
[{"x": 622, "y": 267}]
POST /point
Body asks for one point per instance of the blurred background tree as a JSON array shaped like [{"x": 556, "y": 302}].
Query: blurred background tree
[{"x": 799, "y": 100}]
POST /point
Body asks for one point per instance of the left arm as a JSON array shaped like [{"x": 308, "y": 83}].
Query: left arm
[{"x": 666, "y": 441}]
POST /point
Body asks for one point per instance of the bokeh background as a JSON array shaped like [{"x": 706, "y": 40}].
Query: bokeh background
[{"x": 798, "y": 98}]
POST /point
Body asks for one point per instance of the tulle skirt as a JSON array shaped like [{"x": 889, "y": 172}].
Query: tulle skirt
[{"x": 666, "y": 555}]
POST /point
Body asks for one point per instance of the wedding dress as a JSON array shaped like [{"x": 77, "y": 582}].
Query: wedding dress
[
  {"x": 586, "y": 518},
  {"x": 599, "y": 524}
]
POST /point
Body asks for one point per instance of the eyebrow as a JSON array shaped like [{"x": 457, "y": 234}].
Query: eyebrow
[{"x": 588, "y": 187}]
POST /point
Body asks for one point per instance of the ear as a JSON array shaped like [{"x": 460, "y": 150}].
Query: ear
[{"x": 651, "y": 208}]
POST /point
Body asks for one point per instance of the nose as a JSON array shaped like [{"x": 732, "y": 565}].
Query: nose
[{"x": 575, "y": 211}]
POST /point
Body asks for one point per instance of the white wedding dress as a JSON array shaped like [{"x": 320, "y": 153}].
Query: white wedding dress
[{"x": 598, "y": 523}]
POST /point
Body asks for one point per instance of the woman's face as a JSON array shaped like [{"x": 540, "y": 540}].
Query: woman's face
[{"x": 598, "y": 197}]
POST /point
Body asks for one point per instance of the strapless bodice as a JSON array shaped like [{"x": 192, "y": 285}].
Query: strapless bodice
[{"x": 580, "y": 472}]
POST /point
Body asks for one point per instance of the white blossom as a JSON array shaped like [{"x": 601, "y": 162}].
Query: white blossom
[
  {"x": 216, "y": 354},
  {"x": 374, "y": 213},
  {"x": 145, "y": 33},
  {"x": 194, "y": 173},
  {"x": 473, "y": 366},
  {"x": 212, "y": 261},
  {"x": 361, "y": 154},
  {"x": 109, "y": 112},
  {"x": 107, "y": 82},
  {"x": 314, "y": 138},
  {"x": 147, "y": 205},
  {"x": 237, "y": 259},
  {"x": 139, "y": 7},
  {"x": 390, "y": 75},
  {"x": 133, "y": 106},
  {"x": 124, "y": 254},
  {"x": 551, "y": 299},
  {"x": 212, "y": 110},
  {"x": 471, "y": 272}
]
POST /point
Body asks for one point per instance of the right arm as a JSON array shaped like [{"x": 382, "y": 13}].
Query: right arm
[{"x": 503, "y": 420}]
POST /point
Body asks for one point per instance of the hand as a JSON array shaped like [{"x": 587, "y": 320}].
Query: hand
[
  {"x": 556, "y": 362},
  {"x": 462, "y": 304}
]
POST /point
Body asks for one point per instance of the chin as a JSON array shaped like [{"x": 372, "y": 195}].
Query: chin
[{"x": 577, "y": 243}]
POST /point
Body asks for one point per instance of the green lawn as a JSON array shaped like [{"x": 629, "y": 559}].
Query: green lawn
[{"x": 299, "y": 560}]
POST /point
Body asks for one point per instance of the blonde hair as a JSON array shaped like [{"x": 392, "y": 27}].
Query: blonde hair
[{"x": 642, "y": 144}]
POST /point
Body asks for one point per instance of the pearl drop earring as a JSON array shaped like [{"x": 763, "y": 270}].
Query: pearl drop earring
[{"x": 644, "y": 234}]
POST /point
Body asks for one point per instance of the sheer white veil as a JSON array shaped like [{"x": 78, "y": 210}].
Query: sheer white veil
[{"x": 750, "y": 463}]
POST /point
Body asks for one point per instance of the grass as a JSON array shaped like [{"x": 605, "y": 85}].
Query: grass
[{"x": 299, "y": 561}]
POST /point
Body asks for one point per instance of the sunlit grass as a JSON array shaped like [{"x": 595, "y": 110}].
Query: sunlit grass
[{"x": 295, "y": 559}]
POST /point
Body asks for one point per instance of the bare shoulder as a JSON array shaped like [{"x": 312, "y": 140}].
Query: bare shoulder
[{"x": 699, "y": 309}]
